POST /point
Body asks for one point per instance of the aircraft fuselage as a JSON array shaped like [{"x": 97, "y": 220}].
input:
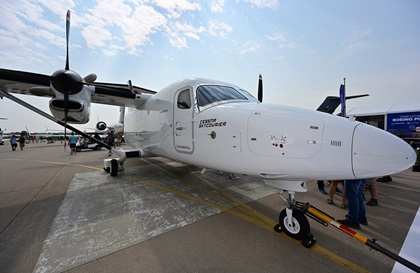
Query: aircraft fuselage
[{"x": 277, "y": 143}]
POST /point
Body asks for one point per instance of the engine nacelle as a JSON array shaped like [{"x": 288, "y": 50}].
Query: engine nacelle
[
  {"x": 101, "y": 125},
  {"x": 78, "y": 107},
  {"x": 78, "y": 111}
]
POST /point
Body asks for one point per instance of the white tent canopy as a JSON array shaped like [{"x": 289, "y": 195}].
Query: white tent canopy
[{"x": 385, "y": 109}]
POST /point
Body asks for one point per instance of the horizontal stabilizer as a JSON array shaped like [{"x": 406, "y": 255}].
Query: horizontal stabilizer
[{"x": 332, "y": 102}]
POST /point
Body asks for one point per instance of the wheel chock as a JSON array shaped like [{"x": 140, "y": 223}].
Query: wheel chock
[
  {"x": 309, "y": 241},
  {"x": 277, "y": 228}
]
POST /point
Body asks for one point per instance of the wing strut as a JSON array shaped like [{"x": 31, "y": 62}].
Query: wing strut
[{"x": 64, "y": 124}]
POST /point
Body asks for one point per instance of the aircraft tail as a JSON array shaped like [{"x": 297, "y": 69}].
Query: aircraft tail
[{"x": 122, "y": 114}]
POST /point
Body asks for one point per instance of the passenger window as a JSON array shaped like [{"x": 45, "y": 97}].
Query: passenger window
[{"x": 184, "y": 99}]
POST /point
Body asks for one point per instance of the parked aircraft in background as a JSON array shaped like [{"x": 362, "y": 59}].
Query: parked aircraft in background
[
  {"x": 217, "y": 125},
  {"x": 117, "y": 127}
]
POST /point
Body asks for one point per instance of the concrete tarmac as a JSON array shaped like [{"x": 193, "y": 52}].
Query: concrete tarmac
[{"x": 63, "y": 213}]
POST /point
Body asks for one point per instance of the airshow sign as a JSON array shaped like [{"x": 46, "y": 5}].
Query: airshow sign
[{"x": 403, "y": 124}]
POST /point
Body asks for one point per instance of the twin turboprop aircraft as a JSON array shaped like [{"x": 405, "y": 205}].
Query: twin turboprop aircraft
[
  {"x": 221, "y": 126},
  {"x": 117, "y": 127}
]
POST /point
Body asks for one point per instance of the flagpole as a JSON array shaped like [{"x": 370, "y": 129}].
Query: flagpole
[{"x": 344, "y": 110}]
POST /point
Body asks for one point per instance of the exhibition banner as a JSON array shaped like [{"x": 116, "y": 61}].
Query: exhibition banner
[{"x": 405, "y": 125}]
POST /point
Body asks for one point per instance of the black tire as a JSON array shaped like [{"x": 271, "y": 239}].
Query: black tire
[
  {"x": 78, "y": 149},
  {"x": 114, "y": 167},
  {"x": 299, "y": 227}
]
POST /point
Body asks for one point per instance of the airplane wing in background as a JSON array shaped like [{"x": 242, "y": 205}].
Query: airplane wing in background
[{"x": 331, "y": 103}]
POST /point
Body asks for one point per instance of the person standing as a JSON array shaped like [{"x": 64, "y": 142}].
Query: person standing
[
  {"x": 321, "y": 186},
  {"x": 13, "y": 142},
  {"x": 22, "y": 140},
  {"x": 333, "y": 190},
  {"x": 373, "y": 188},
  {"x": 72, "y": 143},
  {"x": 110, "y": 141},
  {"x": 357, "y": 210}
]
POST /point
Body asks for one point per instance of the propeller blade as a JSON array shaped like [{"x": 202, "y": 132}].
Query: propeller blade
[
  {"x": 260, "y": 89},
  {"x": 67, "y": 38},
  {"x": 66, "y": 112}
]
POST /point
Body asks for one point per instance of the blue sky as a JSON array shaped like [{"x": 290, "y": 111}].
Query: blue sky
[{"x": 303, "y": 49}]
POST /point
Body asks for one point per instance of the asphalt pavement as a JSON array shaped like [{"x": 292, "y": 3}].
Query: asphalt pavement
[{"x": 63, "y": 213}]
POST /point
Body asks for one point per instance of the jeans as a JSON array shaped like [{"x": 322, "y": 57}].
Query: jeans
[{"x": 356, "y": 203}]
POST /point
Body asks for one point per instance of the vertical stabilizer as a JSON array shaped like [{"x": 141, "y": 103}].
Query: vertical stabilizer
[{"x": 122, "y": 114}]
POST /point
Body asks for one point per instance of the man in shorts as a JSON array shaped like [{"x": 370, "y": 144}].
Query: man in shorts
[{"x": 72, "y": 143}]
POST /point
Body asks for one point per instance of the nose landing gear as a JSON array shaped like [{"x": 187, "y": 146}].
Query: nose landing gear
[{"x": 293, "y": 222}]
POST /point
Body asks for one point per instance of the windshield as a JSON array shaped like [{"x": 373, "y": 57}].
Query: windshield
[{"x": 209, "y": 94}]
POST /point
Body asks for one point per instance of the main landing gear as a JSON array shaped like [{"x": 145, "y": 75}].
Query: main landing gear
[{"x": 113, "y": 165}]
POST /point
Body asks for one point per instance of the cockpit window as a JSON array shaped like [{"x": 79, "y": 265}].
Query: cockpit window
[
  {"x": 184, "y": 100},
  {"x": 209, "y": 94}
]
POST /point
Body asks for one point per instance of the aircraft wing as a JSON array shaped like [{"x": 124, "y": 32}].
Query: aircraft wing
[{"x": 19, "y": 82}]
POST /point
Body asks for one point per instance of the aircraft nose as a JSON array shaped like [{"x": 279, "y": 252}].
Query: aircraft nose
[{"x": 377, "y": 153}]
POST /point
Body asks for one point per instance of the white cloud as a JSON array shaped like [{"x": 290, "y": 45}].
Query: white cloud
[
  {"x": 96, "y": 36},
  {"x": 130, "y": 28},
  {"x": 217, "y": 6},
  {"x": 176, "y": 7},
  {"x": 249, "y": 47},
  {"x": 137, "y": 29},
  {"x": 58, "y": 7},
  {"x": 355, "y": 39},
  {"x": 179, "y": 33},
  {"x": 264, "y": 3},
  {"x": 280, "y": 40},
  {"x": 219, "y": 28}
]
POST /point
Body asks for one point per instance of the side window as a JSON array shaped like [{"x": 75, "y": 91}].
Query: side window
[{"x": 184, "y": 100}]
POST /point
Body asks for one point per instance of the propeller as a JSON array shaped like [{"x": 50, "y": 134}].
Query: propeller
[
  {"x": 65, "y": 80},
  {"x": 260, "y": 89}
]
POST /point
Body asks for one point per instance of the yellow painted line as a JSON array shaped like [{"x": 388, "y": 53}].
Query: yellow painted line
[
  {"x": 249, "y": 214},
  {"x": 57, "y": 163},
  {"x": 242, "y": 205},
  {"x": 167, "y": 189},
  {"x": 242, "y": 210}
]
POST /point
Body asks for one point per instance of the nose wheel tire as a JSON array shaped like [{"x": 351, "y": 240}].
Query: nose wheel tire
[{"x": 297, "y": 227}]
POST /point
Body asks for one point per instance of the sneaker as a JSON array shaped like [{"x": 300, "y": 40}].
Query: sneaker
[
  {"x": 323, "y": 191},
  {"x": 384, "y": 179},
  {"x": 349, "y": 223},
  {"x": 330, "y": 201},
  {"x": 363, "y": 222},
  {"x": 372, "y": 202},
  {"x": 344, "y": 206}
]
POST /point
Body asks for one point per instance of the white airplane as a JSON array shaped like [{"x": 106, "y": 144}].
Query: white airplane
[
  {"x": 117, "y": 127},
  {"x": 221, "y": 126}
]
